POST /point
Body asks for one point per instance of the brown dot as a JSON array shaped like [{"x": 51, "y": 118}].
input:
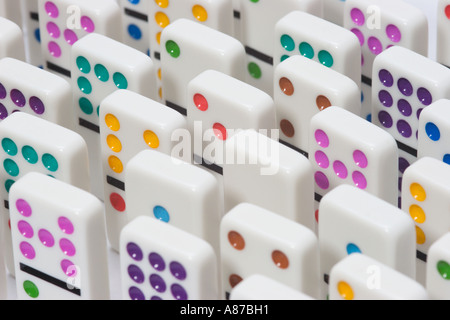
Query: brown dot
[
  {"x": 280, "y": 259},
  {"x": 322, "y": 102},
  {"x": 286, "y": 86},
  {"x": 236, "y": 240},
  {"x": 287, "y": 128},
  {"x": 234, "y": 279}
]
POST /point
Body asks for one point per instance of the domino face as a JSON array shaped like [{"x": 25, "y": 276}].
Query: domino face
[
  {"x": 438, "y": 264},
  {"x": 194, "y": 48},
  {"x": 265, "y": 167},
  {"x": 299, "y": 96},
  {"x": 64, "y": 22},
  {"x": 443, "y": 39},
  {"x": 434, "y": 130},
  {"x": 222, "y": 105},
  {"x": 346, "y": 149},
  {"x": 354, "y": 221},
  {"x": 162, "y": 262},
  {"x": 425, "y": 196},
  {"x": 136, "y": 24},
  {"x": 256, "y": 240},
  {"x": 32, "y": 30},
  {"x": 255, "y": 21},
  {"x": 59, "y": 240},
  {"x": 101, "y": 66},
  {"x": 360, "y": 277},
  {"x": 26, "y": 88},
  {"x": 11, "y": 37},
  {"x": 129, "y": 124}
]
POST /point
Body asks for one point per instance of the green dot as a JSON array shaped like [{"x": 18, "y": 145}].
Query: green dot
[
  {"x": 101, "y": 72},
  {"x": 30, "y": 154},
  {"x": 31, "y": 289},
  {"x": 9, "y": 146},
  {"x": 284, "y": 57},
  {"x": 443, "y": 269},
  {"x": 325, "y": 58},
  {"x": 84, "y": 85},
  {"x": 254, "y": 70},
  {"x": 120, "y": 81},
  {"x": 8, "y": 184},
  {"x": 254, "y": 1},
  {"x": 85, "y": 106},
  {"x": 50, "y": 162},
  {"x": 287, "y": 42},
  {"x": 173, "y": 49},
  {"x": 11, "y": 167},
  {"x": 306, "y": 50},
  {"x": 83, "y": 65}
]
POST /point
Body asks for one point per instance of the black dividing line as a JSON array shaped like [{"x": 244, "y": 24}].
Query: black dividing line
[
  {"x": 326, "y": 278},
  {"x": 157, "y": 55},
  {"x": 287, "y": 144},
  {"x": 115, "y": 183},
  {"x": 208, "y": 165},
  {"x": 407, "y": 149},
  {"x": 34, "y": 16},
  {"x": 421, "y": 256},
  {"x": 176, "y": 107},
  {"x": 89, "y": 125},
  {"x": 317, "y": 197},
  {"x": 60, "y": 70},
  {"x": 136, "y": 14},
  {"x": 6, "y": 204},
  {"x": 259, "y": 55},
  {"x": 366, "y": 80},
  {"x": 43, "y": 276},
  {"x": 236, "y": 14}
]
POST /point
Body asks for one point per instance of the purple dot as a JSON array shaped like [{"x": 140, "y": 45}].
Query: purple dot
[
  {"x": 67, "y": 247},
  {"x": 54, "y": 49},
  {"x": 18, "y": 98},
  {"x": 53, "y": 30},
  {"x": 375, "y": 45},
  {"x": 46, "y": 238},
  {"x": 359, "y": 180},
  {"x": 70, "y": 36},
  {"x": 360, "y": 159},
  {"x": 136, "y": 273},
  {"x": 51, "y": 9},
  {"x": 2, "y": 92},
  {"x": 359, "y": 35},
  {"x": 155, "y": 298},
  {"x": 385, "y": 98},
  {"x": 23, "y": 207},
  {"x": 178, "y": 292},
  {"x": 405, "y": 87},
  {"x": 322, "y": 159},
  {"x": 424, "y": 96},
  {"x": 404, "y": 107},
  {"x": 362, "y": 59},
  {"x": 403, "y": 164},
  {"x": 322, "y": 138},
  {"x": 404, "y": 128},
  {"x": 419, "y": 111},
  {"x": 3, "y": 112},
  {"x": 157, "y": 283},
  {"x": 321, "y": 180},
  {"x": 357, "y": 16},
  {"x": 37, "y": 105},
  {"x": 400, "y": 179},
  {"x": 386, "y": 78},
  {"x": 393, "y": 33},
  {"x": 385, "y": 119},
  {"x": 136, "y": 294},
  {"x": 25, "y": 229},
  {"x": 177, "y": 270},
  {"x": 340, "y": 169},
  {"x": 27, "y": 250},
  {"x": 68, "y": 268},
  {"x": 134, "y": 251},
  {"x": 65, "y": 225},
  {"x": 87, "y": 24},
  {"x": 156, "y": 261}
]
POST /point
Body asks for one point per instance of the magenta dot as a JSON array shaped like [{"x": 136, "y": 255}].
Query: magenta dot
[
  {"x": 322, "y": 159},
  {"x": 321, "y": 180},
  {"x": 70, "y": 36},
  {"x": 359, "y": 35},
  {"x": 359, "y": 180},
  {"x": 65, "y": 225},
  {"x": 53, "y": 30},
  {"x": 51, "y": 9},
  {"x": 54, "y": 49},
  {"x": 46, "y": 238},
  {"x": 375, "y": 45},
  {"x": 340, "y": 169},
  {"x": 404, "y": 128},
  {"x": 67, "y": 247},
  {"x": 362, "y": 59},
  {"x": 25, "y": 229},
  {"x": 322, "y": 138},
  {"x": 357, "y": 16},
  {"x": 27, "y": 250},
  {"x": 68, "y": 268},
  {"x": 393, "y": 33},
  {"x": 360, "y": 159},
  {"x": 23, "y": 207},
  {"x": 87, "y": 24}
]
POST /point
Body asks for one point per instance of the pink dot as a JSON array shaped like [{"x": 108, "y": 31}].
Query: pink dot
[
  {"x": 360, "y": 159},
  {"x": 27, "y": 250},
  {"x": 53, "y": 30},
  {"x": 25, "y": 229},
  {"x": 220, "y": 131},
  {"x": 23, "y": 207},
  {"x": 46, "y": 238},
  {"x": 375, "y": 45},
  {"x": 65, "y": 225},
  {"x": 321, "y": 180},
  {"x": 87, "y": 24},
  {"x": 357, "y": 16},
  {"x": 393, "y": 33},
  {"x": 54, "y": 49},
  {"x": 322, "y": 138},
  {"x": 70, "y": 36},
  {"x": 68, "y": 268},
  {"x": 67, "y": 247},
  {"x": 362, "y": 59},
  {"x": 51, "y": 9},
  {"x": 340, "y": 169},
  {"x": 359, "y": 180},
  {"x": 322, "y": 159},
  {"x": 359, "y": 35}
]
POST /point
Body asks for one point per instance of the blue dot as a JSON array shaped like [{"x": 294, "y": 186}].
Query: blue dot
[
  {"x": 352, "y": 248},
  {"x": 161, "y": 214},
  {"x": 446, "y": 158},
  {"x": 134, "y": 1},
  {"x": 37, "y": 35},
  {"x": 432, "y": 131},
  {"x": 134, "y": 32},
  {"x": 369, "y": 117}
]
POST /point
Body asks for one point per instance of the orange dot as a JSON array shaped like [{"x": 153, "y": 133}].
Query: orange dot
[
  {"x": 112, "y": 122},
  {"x": 199, "y": 13},
  {"x": 114, "y": 143},
  {"x": 234, "y": 279},
  {"x": 162, "y": 19},
  {"x": 420, "y": 236},
  {"x": 160, "y": 93},
  {"x": 417, "y": 214},
  {"x": 322, "y": 102},
  {"x": 345, "y": 290},
  {"x": 418, "y": 192},
  {"x": 115, "y": 164},
  {"x": 280, "y": 259},
  {"x": 236, "y": 240},
  {"x": 287, "y": 128},
  {"x": 151, "y": 139},
  {"x": 158, "y": 38},
  {"x": 162, "y": 3},
  {"x": 286, "y": 86}
]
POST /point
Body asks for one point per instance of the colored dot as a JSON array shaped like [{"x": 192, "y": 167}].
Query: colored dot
[
  {"x": 112, "y": 122},
  {"x": 114, "y": 143},
  {"x": 234, "y": 280},
  {"x": 136, "y": 294},
  {"x": 284, "y": 57},
  {"x": 151, "y": 139},
  {"x": 287, "y": 42},
  {"x": 37, "y": 105},
  {"x": 53, "y": 30},
  {"x": 236, "y": 240},
  {"x": 385, "y": 119},
  {"x": 254, "y": 70},
  {"x": 9, "y": 146},
  {"x": 359, "y": 35},
  {"x": 2, "y": 91},
  {"x": 287, "y": 128},
  {"x": 101, "y": 73},
  {"x": 51, "y": 9},
  {"x": 385, "y": 98},
  {"x": 162, "y": 3},
  {"x": 11, "y": 167},
  {"x": 325, "y": 58},
  {"x": 359, "y": 180},
  {"x": 49, "y": 162},
  {"x": 405, "y": 87},
  {"x": 446, "y": 158},
  {"x": 177, "y": 270},
  {"x": 360, "y": 159},
  {"x": 178, "y": 292},
  {"x": 220, "y": 131},
  {"x": 69, "y": 268},
  {"x": 87, "y": 24},
  {"x": 418, "y": 192},
  {"x": 375, "y": 45},
  {"x": 322, "y": 138},
  {"x": 442, "y": 266},
  {"x": 117, "y": 202},
  {"x": 322, "y": 103},
  {"x": 156, "y": 261},
  {"x": 27, "y": 250},
  {"x": 120, "y": 80},
  {"x": 419, "y": 111},
  {"x": 340, "y": 169},
  {"x": 322, "y": 159},
  {"x": 23, "y": 208},
  {"x": 155, "y": 298},
  {"x": 70, "y": 36},
  {"x": 65, "y": 225},
  {"x": 357, "y": 16},
  {"x": 321, "y": 180},
  {"x": 84, "y": 85},
  {"x": 67, "y": 247},
  {"x": 345, "y": 290},
  {"x": 25, "y": 229},
  {"x": 447, "y": 11},
  {"x": 18, "y": 98},
  {"x": 199, "y": 13},
  {"x": 134, "y": 251},
  {"x": 404, "y": 128},
  {"x": 134, "y": 32},
  {"x": 135, "y": 273},
  {"x": 30, "y": 289},
  {"x": 3, "y": 112},
  {"x": 200, "y": 102},
  {"x": 162, "y": 19},
  {"x": 393, "y": 33},
  {"x": 432, "y": 131},
  {"x": 417, "y": 213},
  {"x": 158, "y": 38},
  {"x": 352, "y": 248},
  {"x": 46, "y": 238},
  {"x": 386, "y": 78},
  {"x": 403, "y": 164},
  {"x": 404, "y": 107},
  {"x": 286, "y": 86},
  {"x": 157, "y": 283},
  {"x": 8, "y": 184},
  {"x": 54, "y": 49},
  {"x": 420, "y": 236},
  {"x": 86, "y": 106},
  {"x": 306, "y": 50},
  {"x": 161, "y": 213},
  {"x": 424, "y": 96},
  {"x": 37, "y": 35},
  {"x": 280, "y": 259}
]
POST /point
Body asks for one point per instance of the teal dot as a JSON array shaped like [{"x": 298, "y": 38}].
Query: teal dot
[
  {"x": 50, "y": 162},
  {"x": 9, "y": 146},
  {"x": 30, "y": 155},
  {"x": 161, "y": 214},
  {"x": 83, "y": 65},
  {"x": 84, "y": 85},
  {"x": 173, "y": 49},
  {"x": 284, "y": 57},
  {"x": 101, "y": 72},
  {"x": 432, "y": 131},
  {"x": 85, "y": 106},
  {"x": 254, "y": 70},
  {"x": 287, "y": 42},
  {"x": 352, "y": 248},
  {"x": 306, "y": 50},
  {"x": 120, "y": 81},
  {"x": 8, "y": 184},
  {"x": 326, "y": 58},
  {"x": 98, "y": 111},
  {"x": 11, "y": 167}
]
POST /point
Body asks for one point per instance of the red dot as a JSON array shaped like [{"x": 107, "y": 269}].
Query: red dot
[
  {"x": 316, "y": 214},
  {"x": 117, "y": 202},
  {"x": 447, "y": 11},
  {"x": 200, "y": 102},
  {"x": 220, "y": 131}
]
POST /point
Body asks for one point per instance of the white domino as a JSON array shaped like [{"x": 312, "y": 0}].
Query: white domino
[
  {"x": 443, "y": 38},
  {"x": 438, "y": 264},
  {"x": 11, "y": 39}
]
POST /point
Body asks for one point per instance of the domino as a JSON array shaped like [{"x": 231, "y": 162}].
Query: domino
[
  {"x": 263, "y": 172},
  {"x": 130, "y": 123},
  {"x": 32, "y": 32},
  {"x": 237, "y": 32},
  {"x": 437, "y": 275},
  {"x": 346, "y": 149},
  {"x": 259, "y": 18},
  {"x": 425, "y": 195},
  {"x": 30, "y": 143},
  {"x": 354, "y": 221},
  {"x": 29, "y": 89},
  {"x": 299, "y": 95},
  {"x": 434, "y": 130},
  {"x": 193, "y": 48},
  {"x": 64, "y": 22},
  {"x": 360, "y": 277},
  {"x": 333, "y": 11},
  {"x": 11, "y": 39},
  {"x": 443, "y": 38},
  {"x": 3, "y": 272},
  {"x": 254, "y": 240},
  {"x": 380, "y": 25},
  {"x": 101, "y": 66},
  {"x": 136, "y": 24},
  {"x": 218, "y": 106},
  {"x": 259, "y": 287},
  {"x": 11, "y": 10},
  {"x": 59, "y": 241},
  {"x": 405, "y": 83},
  {"x": 162, "y": 262}
]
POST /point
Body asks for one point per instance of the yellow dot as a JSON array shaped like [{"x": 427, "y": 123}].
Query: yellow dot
[
  {"x": 112, "y": 122},
  {"x": 159, "y": 73},
  {"x": 158, "y": 38},
  {"x": 417, "y": 214},
  {"x": 115, "y": 164},
  {"x": 160, "y": 93},
  {"x": 151, "y": 139},
  {"x": 114, "y": 143},
  {"x": 162, "y": 19},
  {"x": 345, "y": 290},
  {"x": 420, "y": 236},
  {"x": 418, "y": 192},
  {"x": 199, "y": 13},
  {"x": 162, "y": 3}
]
